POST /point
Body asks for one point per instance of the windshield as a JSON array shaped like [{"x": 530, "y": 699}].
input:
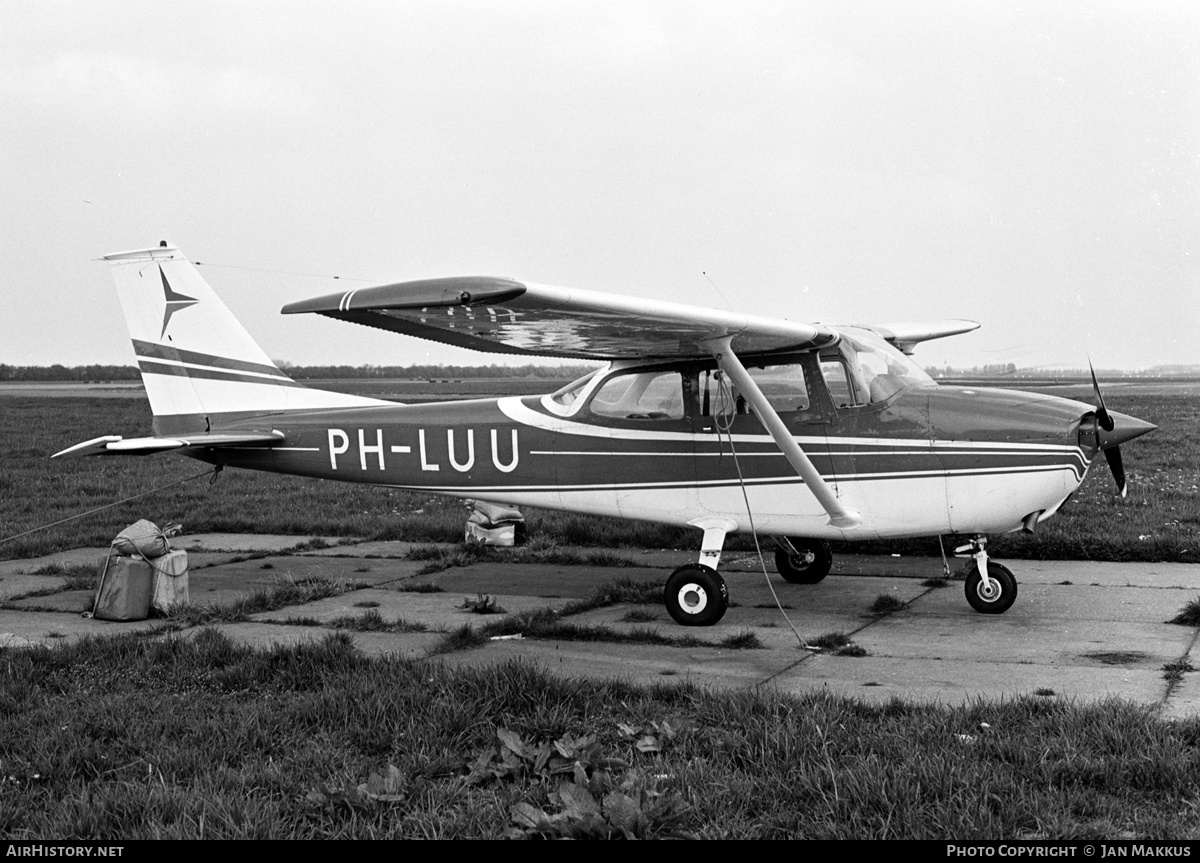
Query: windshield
[{"x": 879, "y": 370}]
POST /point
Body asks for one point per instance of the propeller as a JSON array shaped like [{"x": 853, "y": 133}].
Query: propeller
[
  {"x": 1109, "y": 437},
  {"x": 1102, "y": 415}
]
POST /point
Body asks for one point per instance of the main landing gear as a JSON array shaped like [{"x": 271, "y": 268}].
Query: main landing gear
[
  {"x": 802, "y": 561},
  {"x": 695, "y": 594}
]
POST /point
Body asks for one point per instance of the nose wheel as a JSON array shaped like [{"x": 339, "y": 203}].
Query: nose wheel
[
  {"x": 991, "y": 587},
  {"x": 997, "y": 594}
]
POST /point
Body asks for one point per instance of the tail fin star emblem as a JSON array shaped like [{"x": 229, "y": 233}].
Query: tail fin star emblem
[{"x": 175, "y": 302}]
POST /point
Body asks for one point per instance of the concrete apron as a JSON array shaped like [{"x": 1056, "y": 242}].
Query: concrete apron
[{"x": 1078, "y": 630}]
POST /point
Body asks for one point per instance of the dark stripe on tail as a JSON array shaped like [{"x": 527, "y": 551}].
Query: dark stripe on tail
[
  {"x": 152, "y": 351},
  {"x": 214, "y": 375}
]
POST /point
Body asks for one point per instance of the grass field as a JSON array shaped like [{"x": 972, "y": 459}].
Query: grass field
[{"x": 198, "y": 738}]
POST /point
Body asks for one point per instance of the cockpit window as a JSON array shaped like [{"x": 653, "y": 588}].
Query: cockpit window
[
  {"x": 868, "y": 370},
  {"x": 839, "y": 381},
  {"x": 640, "y": 396}
]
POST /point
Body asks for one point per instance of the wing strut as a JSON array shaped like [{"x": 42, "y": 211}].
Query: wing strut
[{"x": 839, "y": 516}]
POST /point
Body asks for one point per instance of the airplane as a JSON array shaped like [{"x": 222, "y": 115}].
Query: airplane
[{"x": 724, "y": 422}]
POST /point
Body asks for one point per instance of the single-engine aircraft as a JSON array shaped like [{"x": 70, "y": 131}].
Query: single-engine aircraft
[{"x": 725, "y": 422}]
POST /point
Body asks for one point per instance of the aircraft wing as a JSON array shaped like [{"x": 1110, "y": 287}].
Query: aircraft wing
[
  {"x": 506, "y": 316},
  {"x": 907, "y": 335},
  {"x": 117, "y": 445}
]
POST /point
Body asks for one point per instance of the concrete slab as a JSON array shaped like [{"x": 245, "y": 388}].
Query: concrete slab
[
  {"x": 47, "y": 627},
  {"x": 14, "y": 587},
  {"x": 69, "y": 601},
  {"x": 252, "y": 542},
  {"x": 1185, "y": 576},
  {"x": 91, "y": 557},
  {"x": 394, "y": 549},
  {"x": 552, "y": 581},
  {"x": 225, "y": 584},
  {"x": 437, "y": 612},
  {"x": 60, "y": 559},
  {"x": 956, "y": 682},
  {"x": 404, "y": 645}
]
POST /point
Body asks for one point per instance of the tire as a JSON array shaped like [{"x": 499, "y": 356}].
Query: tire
[
  {"x": 1002, "y": 595},
  {"x": 806, "y": 562},
  {"x": 696, "y": 595}
]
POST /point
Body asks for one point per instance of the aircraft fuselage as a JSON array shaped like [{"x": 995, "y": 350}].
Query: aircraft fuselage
[{"x": 930, "y": 460}]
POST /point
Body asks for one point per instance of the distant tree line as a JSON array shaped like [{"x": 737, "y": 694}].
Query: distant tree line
[
  {"x": 1001, "y": 370},
  {"x": 990, "y": 370},
  {"x": 68, "y": 373},
  {"x": 425, "y": 372}
]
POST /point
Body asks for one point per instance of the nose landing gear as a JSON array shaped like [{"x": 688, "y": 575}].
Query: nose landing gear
[{"x": 991, "y": 587}]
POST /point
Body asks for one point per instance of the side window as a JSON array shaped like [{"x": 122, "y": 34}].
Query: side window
[
  {"x": 837, "y": 378},
  {"x": 784, "y": 386},
  {"x": 640, "y": 396},
  {"x": 718, "y": 396}
]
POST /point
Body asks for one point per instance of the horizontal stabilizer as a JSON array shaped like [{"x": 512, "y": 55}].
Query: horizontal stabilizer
[{"x": 117, "y": 445}]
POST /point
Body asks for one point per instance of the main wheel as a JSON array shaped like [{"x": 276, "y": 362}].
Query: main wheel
[
  {"x": 696, "y": 595},
  {"x": 803, "y": 561},
  {"x": 1000, "y": 594}
]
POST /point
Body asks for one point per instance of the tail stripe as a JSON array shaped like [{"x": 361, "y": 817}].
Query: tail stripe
[
  {"x": 152, "y": 351},
  {"x": 153, "y": 368}
]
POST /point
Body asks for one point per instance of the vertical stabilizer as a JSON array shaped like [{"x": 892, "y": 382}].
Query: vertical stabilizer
[{"x": 200, "y": 366}]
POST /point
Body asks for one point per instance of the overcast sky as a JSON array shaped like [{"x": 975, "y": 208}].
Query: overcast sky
[{"x": 1032, "y": 166}]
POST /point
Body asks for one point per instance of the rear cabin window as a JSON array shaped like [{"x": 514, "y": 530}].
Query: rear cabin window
[{"x": 640, "y": 396}]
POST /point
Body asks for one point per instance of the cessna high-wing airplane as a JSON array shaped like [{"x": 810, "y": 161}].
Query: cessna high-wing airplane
[{"x": 721, "y": 421}]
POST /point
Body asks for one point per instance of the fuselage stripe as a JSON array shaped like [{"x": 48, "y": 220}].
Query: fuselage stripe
[{"x": 718, "y": 484}]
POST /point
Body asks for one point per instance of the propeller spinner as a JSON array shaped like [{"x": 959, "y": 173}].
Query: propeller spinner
[{"x": 1112, "y": 430}]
